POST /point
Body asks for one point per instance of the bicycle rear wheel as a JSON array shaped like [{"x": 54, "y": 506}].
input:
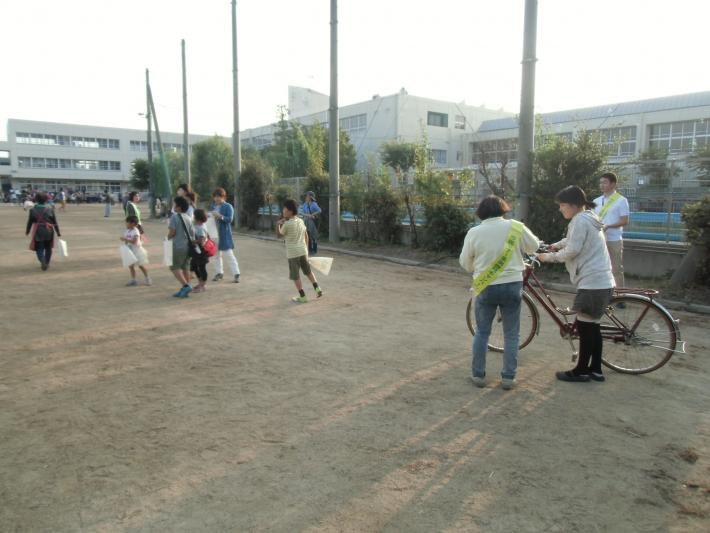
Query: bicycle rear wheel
[
  {"x": 639, "y": 335},
  {"x": 528, "y": 324}
]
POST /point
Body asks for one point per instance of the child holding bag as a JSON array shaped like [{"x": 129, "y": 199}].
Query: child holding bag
[
  {"x": 132, "y": 239},
  {"x": 198, "y": 264}
]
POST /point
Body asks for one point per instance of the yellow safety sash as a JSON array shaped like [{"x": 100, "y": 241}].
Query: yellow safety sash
[
  {"x": 612, "y": 200},
  {"x": 496, "y": 268}
]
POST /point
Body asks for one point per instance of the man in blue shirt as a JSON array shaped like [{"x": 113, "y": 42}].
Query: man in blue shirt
[
  {"x": 224, "y": 213},
  {"x": 311, "y": 213}
]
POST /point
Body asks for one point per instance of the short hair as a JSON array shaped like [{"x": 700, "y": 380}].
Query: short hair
[
  {"x": 610, "y": 176},
  {"x": 291, "y": 206},
  {"x": 132, "y": 219},
  {"x": 182, "y": 203},
  {"x": 41, "y": 197},
  {"x": 492, "y": 206},
  {"x": 200, "y": 215},
  {"x": 573, "y": 195},
  {"x": 132, "y": 195},
  {"x": 219, "y": 191}
]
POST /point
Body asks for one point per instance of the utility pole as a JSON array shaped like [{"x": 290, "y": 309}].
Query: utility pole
[
  {"x": 167, "y": 185},
  {"x": 526, "y": 128},
  {"x": 185, "y": 137},
  {"x": 236, "y": 144},
  {"x": 334, "y": 129},
  {"x": 151, "y": 185}
]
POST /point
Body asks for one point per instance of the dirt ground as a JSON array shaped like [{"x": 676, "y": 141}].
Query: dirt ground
[{"x": 124, "y": 409}]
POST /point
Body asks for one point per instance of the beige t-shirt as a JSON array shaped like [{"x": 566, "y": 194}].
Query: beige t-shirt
[{"x": 295, "y": 232}]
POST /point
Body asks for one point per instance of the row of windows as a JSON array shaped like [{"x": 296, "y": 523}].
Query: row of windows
[
  {"x": 680, "y": 137},
  {"x": 438, "y": 157},
  {"x": 67, "y": 140},
  {"x": 74, "y": 164},
  {"x": 88, "y": 187},
  {"x": 142, "y": 146},
  {"x": 618, "y": 141},
  {"x": 441, "y": 120},
  {"x": 260, "y": 141},
  {"x": 501, "y": 150},
  {"x": 354, "y": 124}
]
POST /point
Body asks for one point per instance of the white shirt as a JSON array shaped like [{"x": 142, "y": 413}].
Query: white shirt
[
  {"x": 613, "y": 215},
  {"x": 484, "y": 244}
]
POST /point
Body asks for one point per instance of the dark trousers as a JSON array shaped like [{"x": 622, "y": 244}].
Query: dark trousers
[
  {"x": 590, "y": 348},
  {"x": 200, "y": 269},
  {"x": 43, "y": 249},
  {"x": 312, "y": 243}
]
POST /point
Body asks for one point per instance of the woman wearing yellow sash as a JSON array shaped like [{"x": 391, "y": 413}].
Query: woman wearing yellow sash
[
  {"x": 587, "y": 260},
  {"x": 493, "y": 251}
]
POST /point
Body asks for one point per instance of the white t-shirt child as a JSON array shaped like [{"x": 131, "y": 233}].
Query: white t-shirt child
[{"x": 136, "y": 248}]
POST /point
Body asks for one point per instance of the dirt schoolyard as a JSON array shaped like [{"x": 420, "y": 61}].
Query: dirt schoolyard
[{"x": 124, "y": 409}]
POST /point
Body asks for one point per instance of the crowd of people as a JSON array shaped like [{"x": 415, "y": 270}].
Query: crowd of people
[{"x": 494, "y": 252}]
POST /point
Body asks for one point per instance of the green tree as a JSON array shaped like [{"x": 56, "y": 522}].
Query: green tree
[
  {"x": 653, "y": 164},
  {"x": 560, "y": 162},
  {"x": 700, "y": 162},
  {"x": 140, "y": 175},
  {"x": 402, "y": 157},
  {"x": 348, "y": 155},
  {"x": 252, "y": 188},
  {"x": 211, "y": 165}
]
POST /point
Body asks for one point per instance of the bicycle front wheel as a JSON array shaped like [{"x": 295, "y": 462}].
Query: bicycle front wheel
[
  {"x": 639, "y": 335},
  {"x": 528, "y": 324}
]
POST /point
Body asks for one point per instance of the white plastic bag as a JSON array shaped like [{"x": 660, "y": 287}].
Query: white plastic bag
[
  {"x": 127, "y": 256},
  {"x": 167, "y": 253},
  {"x": 211, "y": 227},
  {"x": 62, "y": 246},
  {"x": 321, "y": 264}
]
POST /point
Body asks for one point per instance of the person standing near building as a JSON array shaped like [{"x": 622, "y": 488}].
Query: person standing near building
[
  {"x": 493, "y": 252},
  {"x": 223, "y": 214},
  {"x": 108, "y": 200},
  {"x": 42, "y": 225},
  {"x": 311, "y": 212},
  {"x": 613, "y": 210}
]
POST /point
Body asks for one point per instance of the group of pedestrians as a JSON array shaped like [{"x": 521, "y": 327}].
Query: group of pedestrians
[{"x": 591, "y": 251}]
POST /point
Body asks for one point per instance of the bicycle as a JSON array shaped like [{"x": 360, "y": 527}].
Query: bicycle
[{"x": 639, "y": 334}]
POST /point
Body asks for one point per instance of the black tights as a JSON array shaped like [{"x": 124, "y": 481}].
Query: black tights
[{"x": 590, "y": 348}]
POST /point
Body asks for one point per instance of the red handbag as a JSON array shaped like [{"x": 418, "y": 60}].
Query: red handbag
[{"x": 209, "y": 247}]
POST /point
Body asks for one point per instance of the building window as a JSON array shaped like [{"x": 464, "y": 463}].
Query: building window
[
  {"x": 460, "y": 122},
  {"x": 500, "y": 151},
  {"x": 438, "y": 157},
  {"x": 38, "y": 162},
  {"x": 24, "y": 162},
  {"x": 114, "y": 144},
  {"x": 437, "y": 119},
  {"x": 52, "y": 163},
  {"x": 103, "y": 165},
  {"x": 618, "y": 142},
  {"x": 679, "y": 137},
  {"x": 65, "y": 163},
  {"x": 114, "y": 165},
  {"x": 354, "y": 124}
]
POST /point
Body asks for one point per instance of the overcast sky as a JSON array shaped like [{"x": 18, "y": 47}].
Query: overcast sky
[{"x": 83, "y": 61}]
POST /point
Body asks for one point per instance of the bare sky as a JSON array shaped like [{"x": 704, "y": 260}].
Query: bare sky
[{"x": 83, "y": 61}]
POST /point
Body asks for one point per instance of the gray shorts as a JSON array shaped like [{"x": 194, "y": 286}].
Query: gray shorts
[
  {"x": 592, "y": 302},
  {"x": 181, "y": 261},
  {"x": 298, "y": 263}
]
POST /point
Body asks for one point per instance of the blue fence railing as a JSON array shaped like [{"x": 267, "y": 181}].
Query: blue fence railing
[{"x": 642, "y": 224}]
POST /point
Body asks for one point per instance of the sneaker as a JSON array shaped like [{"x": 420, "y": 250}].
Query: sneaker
[
  {"x": 478, "y": 381},
  {"x": 178, "y": 294},
  {"x": 299, "y": 300},
  {"x": 507, "y": 383},
  {"x": 596, "y": 376},
  {"x": 132, "y": 283},
  {"x": 218, "y": 277},
  {"x": 44, "y": 266},
  {"x": 319, "y": 292},
  {"x": 568, "y": 375},
  {"x": 185, "y": 291},
  {"x": 148, "y": 282},
  {"x": 236, "y": 278}
]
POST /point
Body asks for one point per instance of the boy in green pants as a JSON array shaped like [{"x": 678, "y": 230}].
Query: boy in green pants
[{"x": 294, "y": 231}]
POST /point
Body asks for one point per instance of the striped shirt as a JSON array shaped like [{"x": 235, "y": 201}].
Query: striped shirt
[{"x": 295, "y": 232}]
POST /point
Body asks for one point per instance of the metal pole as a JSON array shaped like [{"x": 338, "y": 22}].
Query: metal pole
[
  {"x": 526, "y": 129},
  {"x": 166, "y": 170},
  {"x": 185, "y": 138},
  {"x": 334, "y": 129},
  {"x": 669, "y": 216},
  {"x": 149, "y": 137},
  {"x": 236, "y": 144}
]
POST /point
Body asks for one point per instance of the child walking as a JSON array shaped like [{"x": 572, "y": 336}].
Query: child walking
[
  {"x": 132, "y": 239},
  {"x": 587, "y": 260},
  {"x": 199, "y": 264},
  {"x": 294, "y": 230},
  {"x": 182, "y": 233}
]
